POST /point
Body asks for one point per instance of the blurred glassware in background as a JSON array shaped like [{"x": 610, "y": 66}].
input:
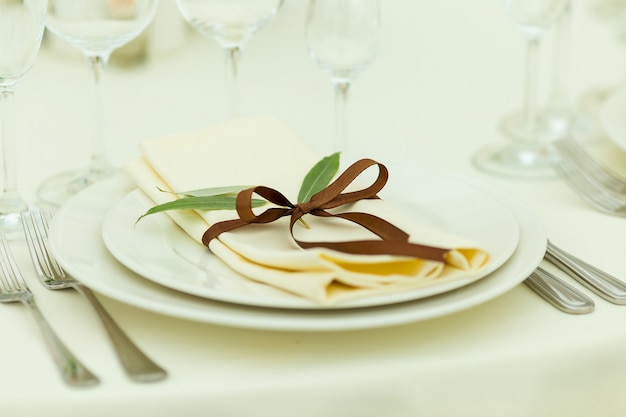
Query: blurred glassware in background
[
  {"x": 527, "y": 155},
  {"x": 168, "y": 30},
  {"x": 166, "y": 34},
  {"x": 96, "y": 28},
  {"x": 231, "y": 23},
  {"x": 612, "y": 12},
  {"x": 21, "y": 31},
  {"x": 342, "y": 38},
  {"x": 560, "y": 117}
]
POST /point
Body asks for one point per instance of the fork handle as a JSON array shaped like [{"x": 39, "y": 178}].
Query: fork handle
[
  {"x": 74, "y": 373},
  {"x": 598, "y": 281},
  {"x": 136, "y": 364}
]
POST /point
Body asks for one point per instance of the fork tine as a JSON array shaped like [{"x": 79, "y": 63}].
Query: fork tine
[
  {"x": 569, "y": 148},
  {"x": 35, "y": 230},
  {"x": 33, "y": 243},
  {"x": 10, "y": 269},
  {"x": 6, "y": 285},
  {"x": 591, "y": 190},
  {"x": 41, "y": 229}
]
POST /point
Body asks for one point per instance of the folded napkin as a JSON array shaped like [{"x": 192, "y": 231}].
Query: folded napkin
[{"x": 264, "y": 151}]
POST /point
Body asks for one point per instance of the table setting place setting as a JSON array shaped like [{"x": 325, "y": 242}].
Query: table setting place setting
[{"x": 312, "y": 207}]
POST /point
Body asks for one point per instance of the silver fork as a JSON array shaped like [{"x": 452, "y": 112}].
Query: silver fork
[
  {"x": 13, "y": 288},
  {"x": 590, "y": 189},
  {"x": 137, "y": 365},
  {"x": 570, "y": 149}
]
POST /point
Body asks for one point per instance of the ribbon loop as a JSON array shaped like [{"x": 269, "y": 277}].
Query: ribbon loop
[
  {"x": 394, "y": 241},
  {"x": 244, "y": 205}
]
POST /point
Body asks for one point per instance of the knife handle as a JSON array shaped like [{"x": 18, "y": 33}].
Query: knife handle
[
  {"x": 558, "y": 293},
  {"x": 596, "y": 280}
]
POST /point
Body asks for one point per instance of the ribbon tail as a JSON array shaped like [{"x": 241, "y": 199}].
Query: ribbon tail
[
  {"x": 381, "y": 247},
  {"x": 380, "y": 227},
  {"x": 221, "y": 227}
]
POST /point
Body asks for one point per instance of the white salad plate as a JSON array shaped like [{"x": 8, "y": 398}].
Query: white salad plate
[
  {"x": 76, "y": 240},
  {"x": 157, "y": 249}
]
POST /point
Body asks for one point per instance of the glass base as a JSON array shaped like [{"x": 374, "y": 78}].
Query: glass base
[
  {"x": 11, "y": 225},
  {"x": 517, "y": 161},
  {"x": 563, "y": 121},
  {"x": 59, "y": 188},
  {"x": 516, "y": 127},
  {"x": 11, "y": 205}
]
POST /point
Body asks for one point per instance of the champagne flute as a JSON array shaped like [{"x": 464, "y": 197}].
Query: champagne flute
[
  {"x": 231, "y": 23},
  {"x": 528, "y": 155},
  {"x": 342, "y": 38},
  {"x": 96, "y": 28},
  {"x": 21, "y": 30}
]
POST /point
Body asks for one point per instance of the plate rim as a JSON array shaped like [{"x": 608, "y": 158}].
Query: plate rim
[{"x": 159, "y": 300}]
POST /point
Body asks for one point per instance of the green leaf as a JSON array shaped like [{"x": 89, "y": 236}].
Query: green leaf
[
  {"x": 206, "y": 192},
  {"x": 219, "y": 202},
  {"x": 319, "y": 177}
]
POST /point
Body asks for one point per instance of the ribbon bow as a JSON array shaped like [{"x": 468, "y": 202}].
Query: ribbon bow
[{"x": 393, "y": 240}]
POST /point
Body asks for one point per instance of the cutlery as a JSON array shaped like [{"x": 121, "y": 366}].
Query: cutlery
[
  {"x": 137, "y": 365},
  {"x": 571, "y": 150},
  {"x": 558, "y": 293},
  {"x": 596, "y": 280},
  {"x": 13, "y": 288},
  {"x": 599, "y": 186},
  {"x": 590, "y": 189}
]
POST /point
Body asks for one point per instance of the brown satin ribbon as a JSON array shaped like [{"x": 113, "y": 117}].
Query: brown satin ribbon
[{"x": 394, "y": 241}]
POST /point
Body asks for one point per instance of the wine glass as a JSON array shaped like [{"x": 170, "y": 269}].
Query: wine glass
[
  {"x": 342, "y": 38},
  {"x": 96, "y": 28},
  {"x": 528, "y": 155},
  {"x": 21, "y": 30},
  {"x": 559, "y": 116},
  {"x": 231, "y": 23}
]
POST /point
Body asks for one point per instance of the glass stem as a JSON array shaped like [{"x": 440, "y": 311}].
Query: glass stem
[
  {"x": 341, "y": 124},
  {"x": 561, "y": 57},
  {"x": 99, "y": 165},
  {"x": 530, "y": 87},
  {"x": 11, "y": 201},
  {"x": 233, "y": 56}
]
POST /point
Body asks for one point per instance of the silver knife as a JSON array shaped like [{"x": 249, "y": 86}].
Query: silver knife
[
  {"x": 598, "y": 281},
  {"x": 558, "y": 293}
]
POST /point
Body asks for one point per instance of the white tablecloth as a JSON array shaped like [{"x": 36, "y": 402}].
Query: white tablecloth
[{"x": 447, "y": 71}]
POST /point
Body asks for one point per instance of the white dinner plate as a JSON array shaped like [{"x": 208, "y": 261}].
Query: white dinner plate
[
  {"x": 157, "y": 249},
  {"x": 613, "y": 117},
  {"x": 75, "y": 239}
]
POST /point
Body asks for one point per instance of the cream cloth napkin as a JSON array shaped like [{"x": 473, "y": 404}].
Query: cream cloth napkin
[{"x": 264, "y": 151}]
